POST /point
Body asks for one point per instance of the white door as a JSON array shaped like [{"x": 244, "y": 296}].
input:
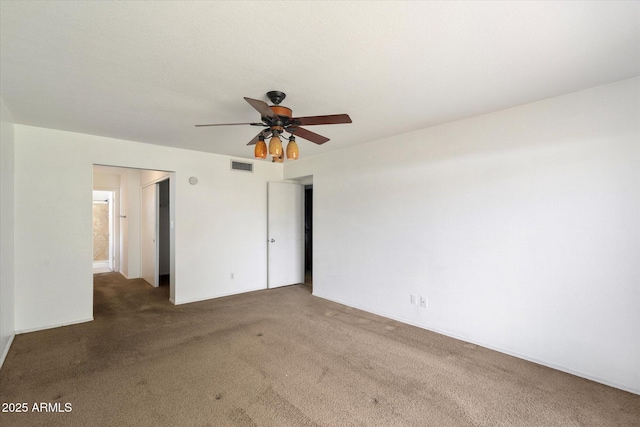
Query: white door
[
  {"x": 285, "y": 234},
  {"x": 149, "y": 234}
]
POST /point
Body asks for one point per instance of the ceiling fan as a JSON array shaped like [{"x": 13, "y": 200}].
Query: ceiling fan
[{"x": 277, "y": 118}]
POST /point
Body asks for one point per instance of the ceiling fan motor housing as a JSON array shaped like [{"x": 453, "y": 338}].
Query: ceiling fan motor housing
[
  {"x": 284, "y": 115},
  {"x": 282, "y": 111}
]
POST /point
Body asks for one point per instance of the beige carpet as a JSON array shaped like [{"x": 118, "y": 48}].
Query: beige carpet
[{"x": 280, "y": 358}]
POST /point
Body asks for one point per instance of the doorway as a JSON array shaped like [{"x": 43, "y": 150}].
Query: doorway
[
  {"x": 127, "y": 185},
  {"x": 164, "y": 233},
  {"x": 156, "y": 234},
  {"x": 308, "y": 235},
  {"x": 104, "y": 234}
]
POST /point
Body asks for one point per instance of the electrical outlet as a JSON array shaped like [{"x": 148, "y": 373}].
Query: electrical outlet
[
  {"x": 232, "y": 275},
  {"x": 414, "y": 300},
  {"x": 424, "y": 302}
]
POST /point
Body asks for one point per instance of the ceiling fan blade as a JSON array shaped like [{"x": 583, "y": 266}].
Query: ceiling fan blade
[
  {"x": 266, "y": 133},
  {"x": 262, "y": 108},
  {"x": 231, "y": 124},
  {"x": 332, "y": 119},
  {"x": 307, "y": 134}
]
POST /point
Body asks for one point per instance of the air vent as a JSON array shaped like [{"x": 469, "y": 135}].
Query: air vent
[{"x": 241, "y": 166}]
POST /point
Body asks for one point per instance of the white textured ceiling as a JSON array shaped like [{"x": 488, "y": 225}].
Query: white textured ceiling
[{"x": 149, "y": 70}]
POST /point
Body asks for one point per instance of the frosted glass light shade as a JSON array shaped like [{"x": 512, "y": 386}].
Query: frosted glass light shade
[
  {"x": 275, "y": 145},
  {"x": 292, "y": 149},
  {"x": 260, "y": 150}
]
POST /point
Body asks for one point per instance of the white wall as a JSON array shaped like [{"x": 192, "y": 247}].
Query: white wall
[
  {"x": 522, "y": 228},
  {"x": 220, "y": 224},
  {"x": 6, "y": 231}
]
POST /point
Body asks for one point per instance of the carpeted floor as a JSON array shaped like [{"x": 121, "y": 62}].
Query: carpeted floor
[{"x": 279, "y": 358}]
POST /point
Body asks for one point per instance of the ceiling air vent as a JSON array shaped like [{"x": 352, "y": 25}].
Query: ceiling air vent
[{"x": 241, "y": 166}]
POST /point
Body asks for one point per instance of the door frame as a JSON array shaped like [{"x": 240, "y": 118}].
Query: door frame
[{"x": 134, "y": 216}]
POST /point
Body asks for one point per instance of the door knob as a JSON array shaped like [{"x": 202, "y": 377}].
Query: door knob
[{"x": 273, "y": 240}]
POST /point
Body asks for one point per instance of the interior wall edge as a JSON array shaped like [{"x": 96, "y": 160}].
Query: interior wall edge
[
  {"x": 6, "y": 349},
  {"x": 7, "y": 227}
]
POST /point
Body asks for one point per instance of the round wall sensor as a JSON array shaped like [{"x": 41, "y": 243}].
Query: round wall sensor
[{"x": 193, "y": 180}]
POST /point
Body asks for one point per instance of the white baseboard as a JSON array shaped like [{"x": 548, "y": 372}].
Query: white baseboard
[
  {"x": 244, "y": 291},
  {"x": 6, "y": 349},
  {"x": 101, "y": 267},
  {"x": 57, "y": 325},
  {"x": 490, "y": 347}
]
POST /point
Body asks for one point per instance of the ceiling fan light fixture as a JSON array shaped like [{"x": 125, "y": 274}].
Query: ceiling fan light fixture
[
  {"x": 279, "y": 119},
  {"x": 292, "y": 149},
  {"x": 261, "y": 148},
  {"x": 275, "y": 145}
]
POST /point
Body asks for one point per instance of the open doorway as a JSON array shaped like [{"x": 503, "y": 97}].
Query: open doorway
[
  {"x": 156, "y": 234},
  {"x": 128, "y": 216},
  {"x": 164, "y": 233},
  {"x": 104, "y": 234},
  {"x": 308, "y": 235}
]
